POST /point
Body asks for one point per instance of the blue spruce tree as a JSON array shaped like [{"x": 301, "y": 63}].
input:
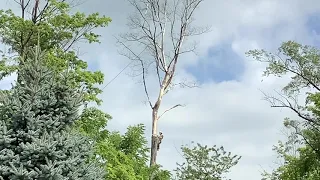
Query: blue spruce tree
[{"x": 36, "y": 119}]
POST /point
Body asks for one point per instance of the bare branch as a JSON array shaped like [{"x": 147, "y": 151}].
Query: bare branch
[
  {"x": 183, "y": 85},
  {"x": 178, "y": 105},
  {"x": 287, "y": 103},
  {"x": 137, "y": 56},
  {"x": 161, "y": 26},
  {"x": 196, "y": 31},
  {"x": 144, "y": 84}
]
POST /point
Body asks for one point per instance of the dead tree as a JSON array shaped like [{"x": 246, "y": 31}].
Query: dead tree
[{"x": 158, "y": 31}]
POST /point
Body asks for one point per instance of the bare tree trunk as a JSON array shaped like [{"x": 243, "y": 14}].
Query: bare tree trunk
[
  {"x": 155, "y": 118},
  {"x": 154, "y": 138},
  {"x": 160, "y": 27}
]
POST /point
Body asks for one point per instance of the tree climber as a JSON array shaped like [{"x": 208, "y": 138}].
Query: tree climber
[{"x": 160, "y": 137}]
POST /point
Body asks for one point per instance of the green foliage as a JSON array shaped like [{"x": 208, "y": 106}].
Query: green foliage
[
  {"x": 301, "y": 61},
  {"x": 304, "y": 164},
  {"x": 59, "y": 31},
  {"x": 301, "y": 153},
  {"x": 205, "y": 163},
  {"x": 92, "y": 123},
  {"x": 36, "y": 141},
  {"x": 122, "y": 156}
]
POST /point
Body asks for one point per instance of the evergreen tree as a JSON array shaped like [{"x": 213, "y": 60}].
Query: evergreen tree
[{"x": 36, "y": 141}]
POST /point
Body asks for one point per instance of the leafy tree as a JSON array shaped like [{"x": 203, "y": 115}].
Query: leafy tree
[
  {"x": 302, "y": 63},
  {"x": 93, "y": 122},
  {"x": 205, "y": 163},
  {"x": 122, "y": 156},
  {"x": 304, "y": 165},
  {"x": 59, "y": 31},
  {"x": 35, "y": 137}
]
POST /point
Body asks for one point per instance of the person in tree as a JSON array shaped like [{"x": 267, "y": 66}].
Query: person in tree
[{"x": 160, "y": 137}]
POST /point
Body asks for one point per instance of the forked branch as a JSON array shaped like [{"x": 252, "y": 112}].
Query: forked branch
[{"x": 291, "y": 103}]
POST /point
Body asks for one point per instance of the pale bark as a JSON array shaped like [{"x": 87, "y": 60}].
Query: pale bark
[{"x": 161, "y": 28}]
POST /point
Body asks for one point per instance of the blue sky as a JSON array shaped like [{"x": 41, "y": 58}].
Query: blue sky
[
  {"x": 220, "y": 64},
  {"x": 313, "y": 26},
  {"x": 313, "y": 22},
  {"x": 230, "y": 113},
  {"x": 93, "y": 65}
]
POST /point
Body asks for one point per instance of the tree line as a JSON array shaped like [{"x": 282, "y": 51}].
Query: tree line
[{"x": 48, "y": 131}]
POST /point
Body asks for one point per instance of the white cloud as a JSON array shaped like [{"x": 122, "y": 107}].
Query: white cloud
[
  {"x": 6, "y": 83},
  {"x": 231, "y": 113}
]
